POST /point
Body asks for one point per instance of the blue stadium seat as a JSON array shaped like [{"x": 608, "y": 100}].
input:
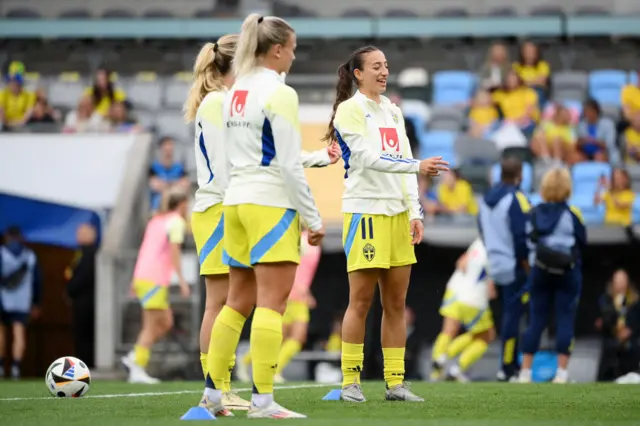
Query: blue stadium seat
[
  {"x": 438, "y": 142},
  {"x": 605, "y": 86},
  {"x": 591, "y": 213},
  {"x": 527, "y": 176},
  {"x": 636, "y": 209},
  {"x": 633, "y": 77},
  {"x": 585, "y": 177},
  {"x": 452, "y": 87}
]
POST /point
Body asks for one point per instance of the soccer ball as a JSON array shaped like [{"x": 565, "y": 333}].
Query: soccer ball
[{"x": 68, "y": 377}]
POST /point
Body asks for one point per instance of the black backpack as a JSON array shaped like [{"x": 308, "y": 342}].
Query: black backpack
[
  {"x": 547, "y": 258},
  {"x": 14, "y": 279}
]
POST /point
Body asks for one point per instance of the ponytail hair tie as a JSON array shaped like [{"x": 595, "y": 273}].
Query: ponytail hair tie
[
  {"x": 215, "y": 47},
  {"x": 260, "y": 19}
]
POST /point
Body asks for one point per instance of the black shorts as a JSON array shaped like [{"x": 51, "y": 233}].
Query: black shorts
[{"x": 10, "y": 318}]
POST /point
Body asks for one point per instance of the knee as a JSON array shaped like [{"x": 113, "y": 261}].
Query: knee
[
  {"x": 394, "y": 306},
  {"x": 359, "y": 306}
]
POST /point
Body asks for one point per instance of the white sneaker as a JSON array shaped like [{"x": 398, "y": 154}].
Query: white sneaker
[
  {"x": 242, "y": 371},
  {"x": 524, "y": 376},
  {"x": 232, "y": 401},
  {"x": 278, "y": 379},
  {"x": 273, "y": 411},
  {"x": 217, "y": 409},
  {"x": 456, "y": 373},
  {"x": 137, "y": 374}
]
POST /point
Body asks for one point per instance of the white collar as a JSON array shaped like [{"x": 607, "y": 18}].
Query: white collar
[{"x": 384, "y": 101}]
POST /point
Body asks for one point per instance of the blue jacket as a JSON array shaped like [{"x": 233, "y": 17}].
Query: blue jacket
[
  {"x": 560, "y": 227},
  {"x": 502, "y": 223},
  {"x": 28, "y": 293}
]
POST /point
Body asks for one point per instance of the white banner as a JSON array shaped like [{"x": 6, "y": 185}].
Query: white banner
[{"x": 76, "y": 170}]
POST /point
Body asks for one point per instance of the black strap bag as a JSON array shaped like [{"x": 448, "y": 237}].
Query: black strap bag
[{"x": 547, "y": 258}]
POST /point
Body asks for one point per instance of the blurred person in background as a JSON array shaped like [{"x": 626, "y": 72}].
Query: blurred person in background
[
  {"x": 428, "y": 196},
  {"x": 104, "y": 92},
  {"x": 504, "y": 212},
  {"x": 20, "y": 296},
  {"x": 596, "y": 135},
  {"x": 518, "y": 103},
  {"x": 120, "y": 121},
  {"x": 465, "y": 304},
  {"x": 619, "y": 325},
  {"x": 630, "y": 101},
  {"x": 296, "y": 315},
  {"x": 81, "y": 290},
  {"x": 555, "y": 139},
  {"x": 455, "y": 195},
  {"x": 41, "y": 113},
  {"x": 616, "y": 195},
  {"x": 557, "y": 236},
  {"x": 632, "y": 141},
  {"x": 16, "y": 102},
  {"x": 533, "y": 70},
  {"x": 159, "y": 257},
  {"x": 166, "y": 172},
  {"x": 85, "y": 119},
  {"x": 497, "y": 65},
  {"x": 483, "y": 115}
]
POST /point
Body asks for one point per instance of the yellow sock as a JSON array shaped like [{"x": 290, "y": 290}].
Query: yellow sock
[
  {"x": 203, "y": 363},
  {"x": 393, "y": 366},
  {"x": 472, "y": 353},
  {"x": 459, "y": 344},
  {"x": 142, "y": 355},
  {"x": 352, "y": 360},
  {"x": 225, "y": 335},
  {"x": 440, "y": 346},
  {"x": 289, "y": 349},
  {"x": 266, "y": 339},
  {"x": 227, "y": 379},
  {"x": 246, "y": 359}
]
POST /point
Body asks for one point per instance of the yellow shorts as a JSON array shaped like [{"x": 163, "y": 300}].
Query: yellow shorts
[
  {"x": 296, "y": 312},
  {"x": 208, "y": 233},
  {"x": 475, "y": 320},
  {"x": 260, "y": 234},
  {"x": 151, "y": 295},
  {"x": 377, "y": 241}
]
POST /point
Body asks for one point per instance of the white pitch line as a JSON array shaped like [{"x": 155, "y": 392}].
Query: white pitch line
[{"x": 125, "y": 395}]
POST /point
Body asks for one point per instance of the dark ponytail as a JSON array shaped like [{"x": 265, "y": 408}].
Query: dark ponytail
[{"x": 346, "y": 81}]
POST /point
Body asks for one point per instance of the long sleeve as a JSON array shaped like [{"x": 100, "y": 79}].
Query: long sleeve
[
  {"x": 83, "y": 277},
  {"x": 213, "y": 134},
  {"x": 518, "y": 216},
  {"x": 350, "y": 131},
  {"x": 282, "y": 112},
  {"x": 318, "y": 158}
]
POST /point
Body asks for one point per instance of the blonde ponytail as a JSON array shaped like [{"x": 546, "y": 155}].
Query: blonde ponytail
[
  {"x": 257, "y": 35},
  {"x": 211, "y": 65}
]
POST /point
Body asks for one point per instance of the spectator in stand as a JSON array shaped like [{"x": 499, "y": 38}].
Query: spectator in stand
[
  {"x": 120, "y": 121},
  {"x": 630, "y": 100},
  {"x": 494, "y": 71},
  {"x": 619, "y": 323},
  {"x": 596, "y": 136},
  {"x": 483, "y": 114},
  {"x": 518, "y": 104},
  {"x": 555, "y": 139},
  {"x": 104, "y": 92},
  {"x": 632, "y": 141},
  {"x": 533, "y": 70},
  {"x": 85, "y": 119},
  {"x": 41, "y": 96},
  {"x": 166, "y": 173},
  {"x": 16, "y": 103},
  {"x": 428, "y": 197},
  {"x": 41, "y": 113},
  {"x": 455, "y": 195},
  {"x": 617, "y": 197}
]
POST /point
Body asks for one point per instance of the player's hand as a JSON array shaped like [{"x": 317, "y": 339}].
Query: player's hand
[
  {"x": 315, "y": 237},
  {"x": 433, "y": 166},
  {"x": 185, "y": 289},
  {"x": 491, "y": 290},
  {"x": 461, "y": 264},
  {"x": 334, "y": 152},
  {"x": 417, "y": 231},
  {"x": 311, "y": 301}
]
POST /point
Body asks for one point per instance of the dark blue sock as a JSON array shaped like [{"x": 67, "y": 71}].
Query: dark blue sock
[{"x": 208, "y": 383}]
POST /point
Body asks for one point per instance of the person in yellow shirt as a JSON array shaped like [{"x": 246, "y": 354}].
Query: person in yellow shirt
[
  {"x": 556, "y": 138},
  {"x": 632, "y": 141},
  {"x": 16, "y": 103},
  {"x": 518, "y": 103},
  {"x": 456, "y": 195},
  {"x": 617, "y": 197},
  {"x": 630, "y": 100},
  {"x": 532, "y": 69},
  {"x": 483, "y": 114},
  {"x": 104, "y": 93}
]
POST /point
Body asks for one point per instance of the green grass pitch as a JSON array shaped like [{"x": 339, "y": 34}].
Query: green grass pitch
[{"x": 447, "y": 404}]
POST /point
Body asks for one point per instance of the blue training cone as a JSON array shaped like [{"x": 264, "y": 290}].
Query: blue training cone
[
  {"x": 198, "y": 413},
  {"x": 333, "y": 395}
]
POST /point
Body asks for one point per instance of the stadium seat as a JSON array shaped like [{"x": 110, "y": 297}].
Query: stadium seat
[
  {"x": 591, "y": 213},
  {"x": 75, "y": 13},
  {"x": 118, "y": 14},
  {"x": 445, "y": 117},
  {"x": 23, "y": 13},
  {"x": 477, "y": 176},
  {"x": 605, "y": 86},
  {"x": 146, "y": 118},
  {"x": 636, "y": 209},
  {"x": 437, "y": 143},
  {"x": 452, "y": 87},
  {"x": 418, "y": 112},
  {"x": 146, "y": 94},
  {"x": 633, "y": 77},
  {"x": 470, "y": 150},
  {"x": 586, "y": 176},
  {"x": 175, "y": 93},
  {"x": 171, "y": 123},
  {"x": 634, "y": 175},
  {"x": 546, "y": 11},
  {"x": 400, "y": 13},
  {"x": 66, "y": 92},
  {"x": 522, "y": 153},
  {"x": 569, "y": 85},
  {"x": 452, "y": 12},
  {"x": 357, "y": 13},
  {"x": 502, "y": 11},
  {"x": 413, "y": 83},
  {"x": 526, "y": 185},
  {"x": 158, "y": 14},
  {"x": 591, "y": 11}
]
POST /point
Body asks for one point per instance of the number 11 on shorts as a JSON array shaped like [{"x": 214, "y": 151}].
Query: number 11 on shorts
[{"x": 363, "y": 227}]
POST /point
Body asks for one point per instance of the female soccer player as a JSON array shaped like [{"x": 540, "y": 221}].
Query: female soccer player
[
  {"x": 212, "y": 78},
  {"x": 466, "y": 303},
  {"x": 296, "y": 315},
  {"x": 558, "y": 236},
  {"x": 158, "y": 258},
  {"x": 383, "y": 218},
  {"x": 267, "y": 193}
]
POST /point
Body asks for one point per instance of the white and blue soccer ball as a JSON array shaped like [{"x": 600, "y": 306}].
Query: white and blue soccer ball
[{"x": 68, "y": 377}]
